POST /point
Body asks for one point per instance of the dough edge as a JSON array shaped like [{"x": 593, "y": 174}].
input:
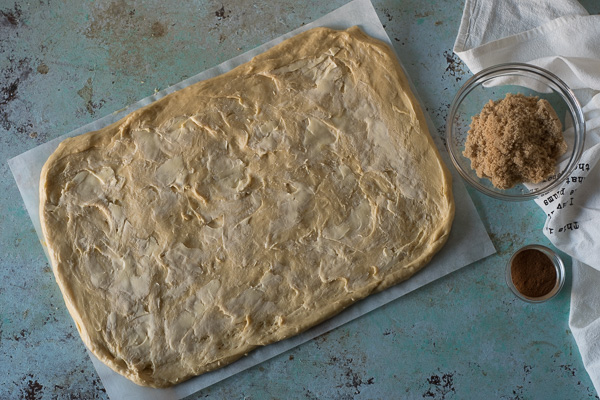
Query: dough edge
[{"x": 439, "y": 237}]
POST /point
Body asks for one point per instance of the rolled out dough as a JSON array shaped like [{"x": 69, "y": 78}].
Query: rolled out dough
[{"x": 244, "y": 209}]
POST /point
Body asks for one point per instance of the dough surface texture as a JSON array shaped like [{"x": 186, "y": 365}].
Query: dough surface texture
[{"x": 246, "y": 208}]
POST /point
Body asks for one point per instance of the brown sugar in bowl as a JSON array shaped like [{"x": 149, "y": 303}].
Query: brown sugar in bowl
[
  {"x": 535, "y": 273},
  {"x": 494, "y": 83}
]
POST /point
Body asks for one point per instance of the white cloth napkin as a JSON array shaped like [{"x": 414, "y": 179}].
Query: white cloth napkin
[{"x": 560, "y": 36}]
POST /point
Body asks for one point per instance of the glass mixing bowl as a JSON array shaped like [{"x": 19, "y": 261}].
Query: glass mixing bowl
[{"x": 493, "y": 84}]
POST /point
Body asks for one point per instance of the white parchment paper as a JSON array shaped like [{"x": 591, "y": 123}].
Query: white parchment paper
[{"x": 468, "y": 241}]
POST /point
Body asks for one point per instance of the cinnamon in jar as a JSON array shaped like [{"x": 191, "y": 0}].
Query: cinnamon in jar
[{"x": 533, "y": 273}]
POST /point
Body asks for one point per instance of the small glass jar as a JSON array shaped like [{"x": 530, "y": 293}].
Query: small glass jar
[{"x": 556, "y": 262}]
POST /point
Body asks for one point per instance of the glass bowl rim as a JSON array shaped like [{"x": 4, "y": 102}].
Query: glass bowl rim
[{"x": 509, "y": 69}]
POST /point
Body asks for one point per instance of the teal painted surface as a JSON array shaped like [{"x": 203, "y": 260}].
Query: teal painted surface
[{"x": 66, "y": 63}]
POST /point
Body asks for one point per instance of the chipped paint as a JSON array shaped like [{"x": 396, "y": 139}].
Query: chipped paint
[
  {"x": 456, "y": 67},
  {"x": 158, "y": 29},
  {"x": 87, "y": 94},
  {"x": 43, "y": 69},
  {"x": 440, "y": 386},
  {"x": 32, "y": 390},
  {"x": 11, "y": 17},
  {"x": 221, "y": 13},
  {"x": 11, "y": 80}
]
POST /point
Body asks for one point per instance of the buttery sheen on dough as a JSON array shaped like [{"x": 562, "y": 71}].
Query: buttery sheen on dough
[{"x": 246, "y": 208}]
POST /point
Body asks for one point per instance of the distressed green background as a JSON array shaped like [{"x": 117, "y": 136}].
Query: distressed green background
[{"x": 66, "y": 63}]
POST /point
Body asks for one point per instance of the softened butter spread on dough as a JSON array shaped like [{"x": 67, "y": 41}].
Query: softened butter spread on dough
[{"x": 244, "y": 209}]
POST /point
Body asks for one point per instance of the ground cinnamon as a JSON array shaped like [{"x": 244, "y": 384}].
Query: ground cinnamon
[{"x": 533, "y": 273}]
